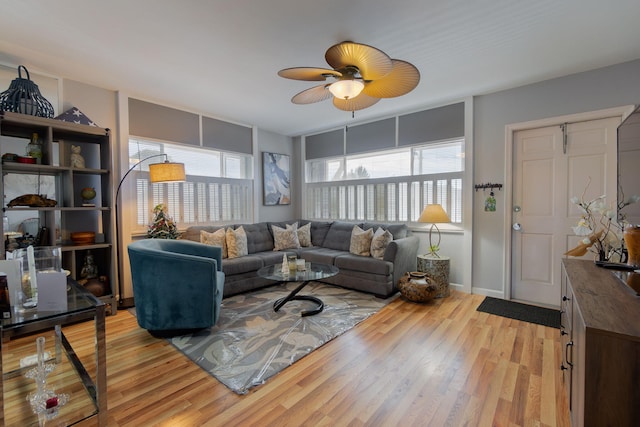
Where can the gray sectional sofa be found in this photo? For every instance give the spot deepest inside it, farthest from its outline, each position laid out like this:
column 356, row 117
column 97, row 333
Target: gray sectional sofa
column 330, row 245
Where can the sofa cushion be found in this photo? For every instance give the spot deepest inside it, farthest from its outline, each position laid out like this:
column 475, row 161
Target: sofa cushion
column 304, row 234
column 193, row 232
column 271, row 257
column 364, row 264
column 399, row 231
column 361, row 241
column 319, row 230
column 217, row 238
column 245, row 264
column 339, row 236
column 320, row 255
column 285, row 238
column 236, row 242
column 379, row 243
column 281, row 224
column 259, row 238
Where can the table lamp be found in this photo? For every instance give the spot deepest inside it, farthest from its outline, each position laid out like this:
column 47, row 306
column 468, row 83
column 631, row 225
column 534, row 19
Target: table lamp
column 434, row 214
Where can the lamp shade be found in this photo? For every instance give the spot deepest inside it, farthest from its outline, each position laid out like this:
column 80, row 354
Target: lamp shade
column 346, row 88
column 167, row 172
column 434, row 214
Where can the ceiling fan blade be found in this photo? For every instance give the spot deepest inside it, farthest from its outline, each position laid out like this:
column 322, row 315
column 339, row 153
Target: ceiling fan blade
column 358, row 103
column 315, row 94
column 402, row 79
column 308, row 73
column 372, row 63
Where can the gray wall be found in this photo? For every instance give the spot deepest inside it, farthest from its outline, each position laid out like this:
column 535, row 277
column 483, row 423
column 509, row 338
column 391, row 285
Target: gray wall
column 96, row 103
column 614, row 86
column 275, row 143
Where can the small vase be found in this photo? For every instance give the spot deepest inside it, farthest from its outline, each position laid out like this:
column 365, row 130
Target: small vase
column 632, row 242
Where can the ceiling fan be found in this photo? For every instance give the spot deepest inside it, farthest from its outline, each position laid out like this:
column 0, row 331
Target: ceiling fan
column 362, row 75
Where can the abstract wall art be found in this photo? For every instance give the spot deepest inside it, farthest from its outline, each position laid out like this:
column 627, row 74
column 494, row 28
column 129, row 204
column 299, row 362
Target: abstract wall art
column 277, row 181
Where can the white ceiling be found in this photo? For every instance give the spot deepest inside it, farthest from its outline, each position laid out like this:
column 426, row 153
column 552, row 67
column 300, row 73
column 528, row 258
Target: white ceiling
column 220, row 57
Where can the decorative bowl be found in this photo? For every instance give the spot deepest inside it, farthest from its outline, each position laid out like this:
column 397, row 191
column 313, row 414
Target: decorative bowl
column 26, row 159
column 417, row 287
column 83, row 237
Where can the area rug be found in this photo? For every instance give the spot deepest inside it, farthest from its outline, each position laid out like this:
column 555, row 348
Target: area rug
column 525, row 312
column 251, row 342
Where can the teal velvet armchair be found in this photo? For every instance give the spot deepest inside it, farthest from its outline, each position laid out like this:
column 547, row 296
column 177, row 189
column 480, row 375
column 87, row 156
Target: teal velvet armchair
column 177, row 284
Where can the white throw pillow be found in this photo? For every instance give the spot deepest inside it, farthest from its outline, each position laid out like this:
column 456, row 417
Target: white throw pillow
column 379, row 243
column 285, row 238
column 217, row 238
column 236, row 242
column 361, row 241
column 304, row 234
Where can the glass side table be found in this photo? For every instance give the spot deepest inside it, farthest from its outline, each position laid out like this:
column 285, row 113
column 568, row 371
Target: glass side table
column 88, row 393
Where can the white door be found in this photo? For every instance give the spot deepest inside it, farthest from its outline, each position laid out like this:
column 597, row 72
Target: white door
column 547, row 171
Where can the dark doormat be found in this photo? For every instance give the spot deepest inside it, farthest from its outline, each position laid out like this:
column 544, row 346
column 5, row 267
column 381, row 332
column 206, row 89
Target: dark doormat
column 525, row 312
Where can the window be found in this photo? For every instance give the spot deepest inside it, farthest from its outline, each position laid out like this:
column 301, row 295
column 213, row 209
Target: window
column 219, row 184
column 390, row 185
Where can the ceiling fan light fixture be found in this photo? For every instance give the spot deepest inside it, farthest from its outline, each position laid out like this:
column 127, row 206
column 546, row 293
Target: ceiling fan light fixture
column 346, row 88
column 363, row 75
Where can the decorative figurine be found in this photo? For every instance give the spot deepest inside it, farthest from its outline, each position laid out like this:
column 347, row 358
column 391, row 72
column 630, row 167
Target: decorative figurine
column 89, row 268
column 76, row 160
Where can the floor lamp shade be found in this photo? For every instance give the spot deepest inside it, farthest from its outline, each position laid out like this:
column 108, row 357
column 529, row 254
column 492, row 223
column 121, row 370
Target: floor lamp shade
column 167, row 172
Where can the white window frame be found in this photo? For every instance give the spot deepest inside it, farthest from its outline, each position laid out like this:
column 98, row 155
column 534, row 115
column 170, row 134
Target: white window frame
column 388, row 199
column 201, row 200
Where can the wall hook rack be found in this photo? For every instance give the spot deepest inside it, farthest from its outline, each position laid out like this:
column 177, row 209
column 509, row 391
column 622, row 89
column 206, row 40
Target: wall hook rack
column 488, row 185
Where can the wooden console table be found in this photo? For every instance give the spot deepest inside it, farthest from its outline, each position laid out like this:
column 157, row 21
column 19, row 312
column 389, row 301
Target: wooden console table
column 600, row 333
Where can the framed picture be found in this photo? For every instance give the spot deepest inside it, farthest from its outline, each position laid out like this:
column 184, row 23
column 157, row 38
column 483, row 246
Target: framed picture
column 276, row 177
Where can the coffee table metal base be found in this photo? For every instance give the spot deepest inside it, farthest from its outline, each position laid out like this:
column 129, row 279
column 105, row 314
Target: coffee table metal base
column 294, row 296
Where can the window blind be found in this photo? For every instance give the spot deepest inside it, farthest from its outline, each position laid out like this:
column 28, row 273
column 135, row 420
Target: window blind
column 160, row 122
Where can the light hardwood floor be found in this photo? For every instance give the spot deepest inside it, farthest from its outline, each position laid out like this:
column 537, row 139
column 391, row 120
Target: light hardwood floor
column 440, row 364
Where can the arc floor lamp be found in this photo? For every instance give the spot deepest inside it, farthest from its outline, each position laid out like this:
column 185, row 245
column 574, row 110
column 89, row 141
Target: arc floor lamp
column 158, row 172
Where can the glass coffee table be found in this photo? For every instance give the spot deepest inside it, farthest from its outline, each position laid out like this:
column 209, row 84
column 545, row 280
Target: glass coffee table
column 315, row 272
column 87, row 391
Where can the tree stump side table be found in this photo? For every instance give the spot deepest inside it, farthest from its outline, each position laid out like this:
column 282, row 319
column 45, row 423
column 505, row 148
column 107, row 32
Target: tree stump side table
column 438, row 269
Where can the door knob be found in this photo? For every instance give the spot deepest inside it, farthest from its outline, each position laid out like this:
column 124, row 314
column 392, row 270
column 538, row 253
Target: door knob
column 517, row 226
column 517, row 208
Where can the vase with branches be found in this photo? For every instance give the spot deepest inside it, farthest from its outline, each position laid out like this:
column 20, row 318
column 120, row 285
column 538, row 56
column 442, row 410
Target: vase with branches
column 601, row 226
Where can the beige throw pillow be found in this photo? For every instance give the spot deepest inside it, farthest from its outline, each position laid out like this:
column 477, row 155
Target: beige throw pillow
column 217, row 238
column 379, row 243
column 304, row 234
column 236, row 242
column 361, row 241
column 285, row 238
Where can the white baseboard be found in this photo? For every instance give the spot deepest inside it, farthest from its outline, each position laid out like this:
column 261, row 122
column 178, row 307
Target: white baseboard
column 478, row 291
column 488, row 292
